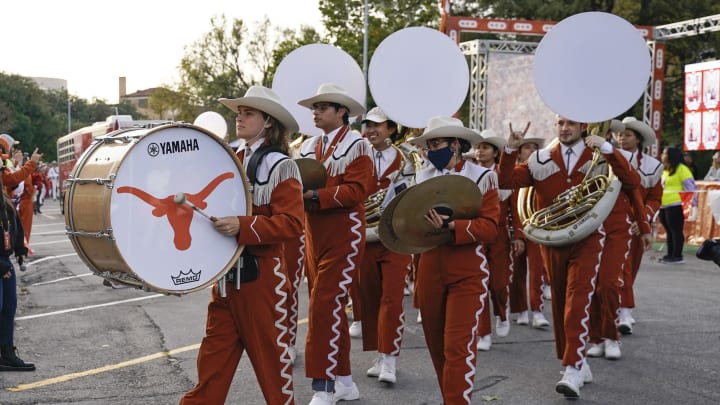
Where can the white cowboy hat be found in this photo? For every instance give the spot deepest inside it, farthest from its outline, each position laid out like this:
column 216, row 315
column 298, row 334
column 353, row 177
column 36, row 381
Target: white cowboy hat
column 646, row 133
column 375, row 115
column 263, row 99
column 332, row 93
column 10, row 140
column 447, row 127
column 490, row 137
column 616, row 126
column 540, row 142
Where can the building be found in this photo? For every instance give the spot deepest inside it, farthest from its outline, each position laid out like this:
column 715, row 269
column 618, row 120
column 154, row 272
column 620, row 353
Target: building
column 50, row 83
column 141, row 101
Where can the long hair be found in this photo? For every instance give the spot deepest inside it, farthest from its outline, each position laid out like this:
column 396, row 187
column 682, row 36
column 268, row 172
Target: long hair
column 277, row 135
column 674, row 158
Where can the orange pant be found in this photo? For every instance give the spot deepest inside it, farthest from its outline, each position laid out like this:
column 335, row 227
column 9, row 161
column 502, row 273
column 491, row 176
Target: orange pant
column 381, row 283
column 451, row 293
column 295, row 259
column 630, row 270
column 251, row 319
column 500, row 265
column 573, row 270
column 606, row 300
column 331, row 265
column 524, row 281
column 25, row 211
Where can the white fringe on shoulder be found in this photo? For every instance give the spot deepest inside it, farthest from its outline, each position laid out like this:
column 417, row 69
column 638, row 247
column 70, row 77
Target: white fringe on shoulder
column 337, row 165
column 504, row 194
column 542, row 166
column 284, row 170
column 488, row 182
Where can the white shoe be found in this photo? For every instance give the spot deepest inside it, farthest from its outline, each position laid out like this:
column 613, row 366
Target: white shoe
column 539, row 320
column 356, row 329
column 419, row 317
column 292, row 353
column 612, row 349
column 523, row 318
column 323, row 398
column 571, row 383
column 387, row 373
column 596, row 349
column 546, row 292
column 374, row 371
column 343, row 393
column 484, row 343
column 624, row 322
column 585, row 372
column 502, row 328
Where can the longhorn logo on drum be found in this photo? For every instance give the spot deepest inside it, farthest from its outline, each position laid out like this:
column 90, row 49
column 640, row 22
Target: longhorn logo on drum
column 179, row 216
column 184, row 278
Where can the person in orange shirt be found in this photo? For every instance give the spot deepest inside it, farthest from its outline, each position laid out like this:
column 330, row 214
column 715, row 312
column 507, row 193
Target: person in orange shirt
column 335, row 240
column 452, row 278
column 254, row 318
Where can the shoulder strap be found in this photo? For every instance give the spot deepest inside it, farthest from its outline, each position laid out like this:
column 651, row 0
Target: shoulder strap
column 256, row 159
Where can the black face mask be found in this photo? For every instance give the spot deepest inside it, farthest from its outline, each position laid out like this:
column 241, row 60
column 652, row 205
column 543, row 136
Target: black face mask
column 440, row 157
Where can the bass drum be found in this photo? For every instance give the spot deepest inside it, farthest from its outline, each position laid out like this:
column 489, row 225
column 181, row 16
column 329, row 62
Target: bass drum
column 122, row 218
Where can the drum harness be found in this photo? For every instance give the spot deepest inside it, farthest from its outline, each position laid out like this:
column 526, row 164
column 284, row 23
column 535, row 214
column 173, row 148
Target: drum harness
column 246, row 268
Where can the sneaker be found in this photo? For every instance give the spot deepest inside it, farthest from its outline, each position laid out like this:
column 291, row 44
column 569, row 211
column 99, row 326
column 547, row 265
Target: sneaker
column 546, row 292
column 612, row 349
column 323, row 398
column 356, row 329
column 596, row 349
column 419, row 317
column 539, row 320
column 624, row 323
column 523, row 318
column 571, row 383
column 484, row 343
column 387, row 373
column 502, row 328
column 343, row 393
column 374, row 371
column 672, row 260
column 9, row 361
column 585, row 372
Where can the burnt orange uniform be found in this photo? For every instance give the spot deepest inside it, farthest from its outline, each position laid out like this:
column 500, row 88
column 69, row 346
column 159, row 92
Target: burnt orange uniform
column 255, row 317
column 452, row 284
column 334, row 242
column 573, row 268
column 382, row 271
column 12, row 179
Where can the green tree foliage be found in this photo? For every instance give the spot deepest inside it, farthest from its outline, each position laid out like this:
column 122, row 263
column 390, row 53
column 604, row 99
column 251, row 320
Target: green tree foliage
column 289, row 41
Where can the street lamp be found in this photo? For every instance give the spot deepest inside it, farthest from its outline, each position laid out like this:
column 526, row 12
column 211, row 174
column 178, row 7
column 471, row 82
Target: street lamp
column 69, row 115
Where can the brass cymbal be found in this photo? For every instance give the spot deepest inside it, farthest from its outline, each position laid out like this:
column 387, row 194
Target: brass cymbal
column 403, row 228
column 312, row 172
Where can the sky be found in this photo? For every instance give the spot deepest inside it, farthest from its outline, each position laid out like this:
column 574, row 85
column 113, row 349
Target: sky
column 92, row 43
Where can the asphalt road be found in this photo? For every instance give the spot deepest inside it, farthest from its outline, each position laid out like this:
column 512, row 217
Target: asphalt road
column 95, row 345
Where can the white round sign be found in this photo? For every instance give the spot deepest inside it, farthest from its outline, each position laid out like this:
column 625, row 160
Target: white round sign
column 213, row 122
column 418, row 73
column 303, row 70
column 591, row 67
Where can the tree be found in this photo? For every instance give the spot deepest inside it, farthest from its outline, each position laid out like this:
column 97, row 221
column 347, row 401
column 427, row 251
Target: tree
column 289, row 41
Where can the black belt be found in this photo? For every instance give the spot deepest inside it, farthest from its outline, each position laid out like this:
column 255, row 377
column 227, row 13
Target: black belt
column 249, row 270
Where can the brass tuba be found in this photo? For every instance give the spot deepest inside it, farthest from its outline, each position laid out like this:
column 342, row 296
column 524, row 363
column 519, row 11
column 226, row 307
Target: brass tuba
column 576, row 212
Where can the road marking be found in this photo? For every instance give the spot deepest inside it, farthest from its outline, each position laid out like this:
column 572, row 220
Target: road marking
column 62, row 279
column 32, row 245
column 110, row 367
column 44, row 259
column 48, row 233
column 35, row 226
column 107, row 304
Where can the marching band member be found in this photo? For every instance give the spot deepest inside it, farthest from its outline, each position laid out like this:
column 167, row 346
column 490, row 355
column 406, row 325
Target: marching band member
column 335, row 240
column 529, row 273
column 500, row 251
column 452, row 278
column 636, row 136
column 626, row 217
column 573, row 268
column 382, row 271
column 254, row 318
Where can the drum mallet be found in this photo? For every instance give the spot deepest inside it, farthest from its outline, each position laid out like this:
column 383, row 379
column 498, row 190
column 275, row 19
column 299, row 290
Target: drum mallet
column 181, row 199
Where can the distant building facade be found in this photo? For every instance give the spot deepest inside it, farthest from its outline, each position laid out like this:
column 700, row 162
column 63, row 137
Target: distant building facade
column 50, row 83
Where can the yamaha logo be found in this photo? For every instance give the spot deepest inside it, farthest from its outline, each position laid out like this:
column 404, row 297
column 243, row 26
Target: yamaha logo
column 185, row 278
column 172, row 147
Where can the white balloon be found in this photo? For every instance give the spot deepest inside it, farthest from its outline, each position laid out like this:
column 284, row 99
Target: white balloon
column 591, row 67
column 303, row 70
column 418, row 73
column 213, row 122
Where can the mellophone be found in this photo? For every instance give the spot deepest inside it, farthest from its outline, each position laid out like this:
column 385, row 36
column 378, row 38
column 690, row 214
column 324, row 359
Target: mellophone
column 126, row 222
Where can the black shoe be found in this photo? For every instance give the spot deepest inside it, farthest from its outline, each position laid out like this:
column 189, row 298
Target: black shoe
column 11, row 362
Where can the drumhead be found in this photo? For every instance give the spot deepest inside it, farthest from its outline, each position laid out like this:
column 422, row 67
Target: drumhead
column 170, row 246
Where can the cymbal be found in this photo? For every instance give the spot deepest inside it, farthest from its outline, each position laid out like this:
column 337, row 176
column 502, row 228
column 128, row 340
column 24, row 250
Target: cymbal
column 403, row 228
column 312, row 172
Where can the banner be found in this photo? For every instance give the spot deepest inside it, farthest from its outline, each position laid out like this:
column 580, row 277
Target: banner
column 702, row 114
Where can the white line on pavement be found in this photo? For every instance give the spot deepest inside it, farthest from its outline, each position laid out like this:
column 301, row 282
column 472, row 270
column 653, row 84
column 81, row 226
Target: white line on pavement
column 61, row 279
column 107, row 304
